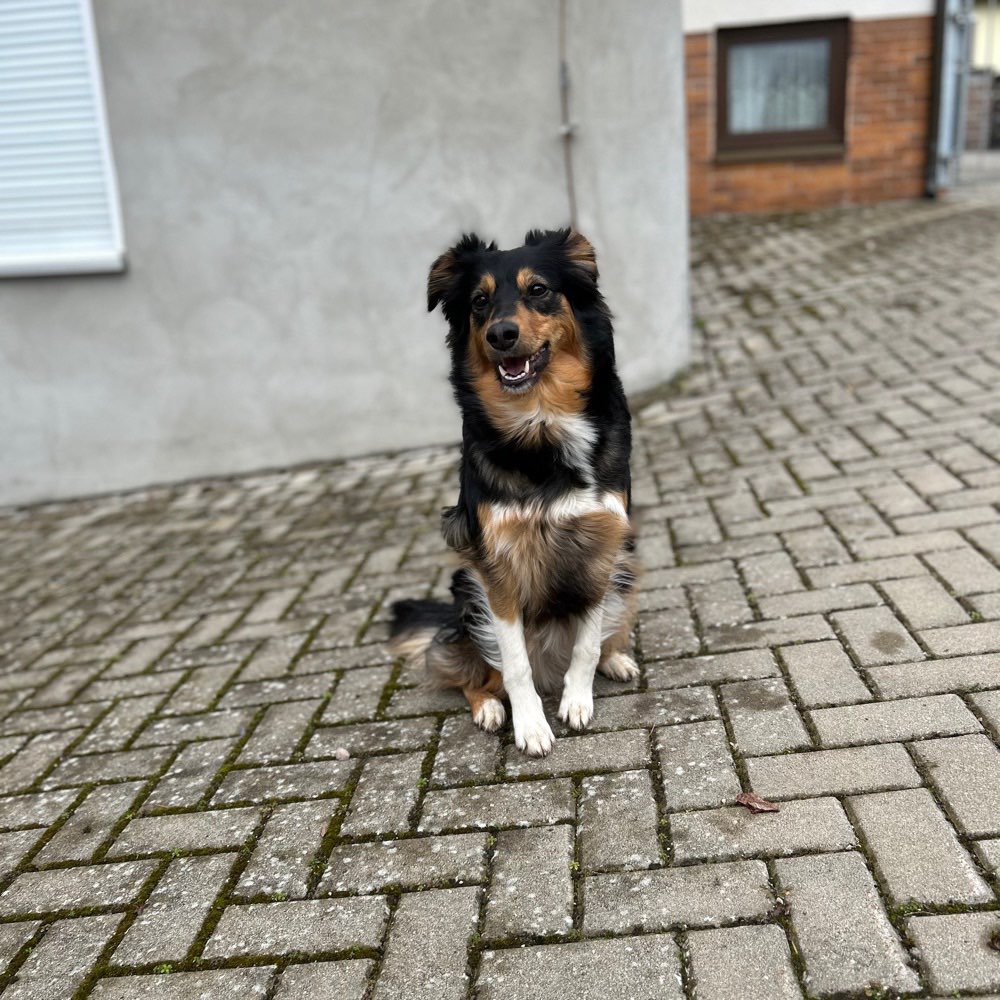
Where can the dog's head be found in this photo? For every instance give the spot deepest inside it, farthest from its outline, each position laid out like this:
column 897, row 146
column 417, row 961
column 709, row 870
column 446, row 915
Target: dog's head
column 515, row 315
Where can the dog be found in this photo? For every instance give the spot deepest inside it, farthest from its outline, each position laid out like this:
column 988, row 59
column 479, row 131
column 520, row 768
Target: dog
column 546, row 592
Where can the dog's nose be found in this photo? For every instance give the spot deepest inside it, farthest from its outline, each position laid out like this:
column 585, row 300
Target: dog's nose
column 502, row 335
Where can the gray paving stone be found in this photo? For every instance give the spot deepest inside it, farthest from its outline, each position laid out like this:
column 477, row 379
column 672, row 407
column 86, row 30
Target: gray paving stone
column 464, row 753
column 357, row 694
column 735, row 832
column 771, row 573
column 66, row 889
column 773, row 632
column 702, row 896
column 283, row 854
column 519, row 803
column 988, row 852
column 531, row 891
column 385, row 795
column 822, row 674
column 112, row 766
column 924, row 603
column 983, row 637
column 36, row 809
column 647, row 709
column 304, row 925
column 696, row 765
column 15, row 845
column 190, row 775
column 90, row 825
column 914, row 849
column 60, row 961
column 218, row 828
column 833, row 772
column 955, row 950
column 185, row 728
column 893, row 721
column 37, row 756
column 279, row 732
column 426, row 954
column 171, row 917
column 121, row 723
column 341, row 980
column 399, row 734
column 869, row 569
column 987, row 705
column 876, row 636
column 283, row 782
column 821, row 601
column 625, row 968
column 842, row 930
column 965, row 773
column 742, row 963
column 13, row 937
column 713, row 669
column 965, row 571
column 618, row 751
column 407, row 864
column 617, row 825
column 961, row 673
column 221, row 984
column 763, row 718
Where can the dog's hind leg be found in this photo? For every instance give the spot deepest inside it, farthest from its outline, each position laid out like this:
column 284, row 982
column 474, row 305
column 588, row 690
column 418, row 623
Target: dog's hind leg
column 485, row 701
column 616, row 660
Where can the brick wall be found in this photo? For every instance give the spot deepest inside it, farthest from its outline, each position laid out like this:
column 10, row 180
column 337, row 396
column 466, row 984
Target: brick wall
column 886, row 125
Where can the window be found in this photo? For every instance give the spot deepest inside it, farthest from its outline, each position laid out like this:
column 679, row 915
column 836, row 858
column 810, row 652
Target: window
column 781, row 90
column 59, row 211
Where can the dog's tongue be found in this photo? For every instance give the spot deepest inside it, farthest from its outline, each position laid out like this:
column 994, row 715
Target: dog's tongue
column 514, row 366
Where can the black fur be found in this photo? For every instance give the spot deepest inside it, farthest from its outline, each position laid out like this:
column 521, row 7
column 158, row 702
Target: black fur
column 496, row 469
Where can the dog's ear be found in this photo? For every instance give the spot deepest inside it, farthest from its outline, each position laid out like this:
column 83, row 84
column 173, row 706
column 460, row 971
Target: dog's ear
column 581, row 253
column 575, row 248
column 449, row 269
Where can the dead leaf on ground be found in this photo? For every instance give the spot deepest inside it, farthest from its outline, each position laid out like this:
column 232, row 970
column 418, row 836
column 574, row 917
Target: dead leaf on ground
column 755, row 803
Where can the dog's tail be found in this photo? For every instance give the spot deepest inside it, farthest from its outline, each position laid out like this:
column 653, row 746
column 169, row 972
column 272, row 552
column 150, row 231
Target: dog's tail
column 414, row 625
column 432, row 634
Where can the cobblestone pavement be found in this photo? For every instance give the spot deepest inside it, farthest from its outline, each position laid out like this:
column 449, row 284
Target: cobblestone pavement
column 820, row 624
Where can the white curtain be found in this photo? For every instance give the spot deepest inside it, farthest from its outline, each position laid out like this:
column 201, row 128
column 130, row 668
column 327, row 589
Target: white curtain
column 778, row 86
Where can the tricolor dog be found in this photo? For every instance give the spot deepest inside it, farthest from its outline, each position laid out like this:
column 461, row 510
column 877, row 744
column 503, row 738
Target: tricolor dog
column 545, row 596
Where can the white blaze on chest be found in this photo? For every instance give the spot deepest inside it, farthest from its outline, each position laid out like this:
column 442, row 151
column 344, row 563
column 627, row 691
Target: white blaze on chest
column 573, row 434
column 572, row 504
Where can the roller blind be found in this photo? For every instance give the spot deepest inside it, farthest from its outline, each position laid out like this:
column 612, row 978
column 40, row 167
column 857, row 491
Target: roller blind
column 59, row 209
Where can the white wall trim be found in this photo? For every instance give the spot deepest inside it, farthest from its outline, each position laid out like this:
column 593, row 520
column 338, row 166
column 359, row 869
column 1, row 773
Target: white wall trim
column 707, row 15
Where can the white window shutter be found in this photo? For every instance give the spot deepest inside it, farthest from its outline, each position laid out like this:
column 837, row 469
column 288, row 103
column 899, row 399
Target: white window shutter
column 59, row 208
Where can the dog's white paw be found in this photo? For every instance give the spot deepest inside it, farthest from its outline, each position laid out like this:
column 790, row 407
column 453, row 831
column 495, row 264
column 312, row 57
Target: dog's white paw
column 576, row 708
column 532, row 733
column 490, row 715
column 619, row 667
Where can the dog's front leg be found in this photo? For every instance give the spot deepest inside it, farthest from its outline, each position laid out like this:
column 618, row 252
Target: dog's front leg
column 531, row 732
column 577, row 706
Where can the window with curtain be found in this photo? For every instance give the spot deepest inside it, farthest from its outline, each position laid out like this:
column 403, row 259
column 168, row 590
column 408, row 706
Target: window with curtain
column 781, row 88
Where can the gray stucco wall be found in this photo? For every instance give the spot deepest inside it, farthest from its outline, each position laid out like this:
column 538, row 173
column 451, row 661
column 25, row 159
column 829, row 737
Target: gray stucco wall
column 288, row 172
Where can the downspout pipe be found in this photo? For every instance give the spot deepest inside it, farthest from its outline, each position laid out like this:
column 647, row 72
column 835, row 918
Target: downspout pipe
column 931, row 186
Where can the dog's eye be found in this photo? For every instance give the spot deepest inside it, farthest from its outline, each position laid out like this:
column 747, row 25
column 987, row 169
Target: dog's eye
column 537, row 290
column 479, row 301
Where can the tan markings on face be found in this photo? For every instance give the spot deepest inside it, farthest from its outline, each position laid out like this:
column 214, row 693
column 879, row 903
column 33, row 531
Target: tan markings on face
column 558, row 392
column 526, row 278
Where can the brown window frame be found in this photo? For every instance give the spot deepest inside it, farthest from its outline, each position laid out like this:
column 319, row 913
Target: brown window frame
column 785, row 144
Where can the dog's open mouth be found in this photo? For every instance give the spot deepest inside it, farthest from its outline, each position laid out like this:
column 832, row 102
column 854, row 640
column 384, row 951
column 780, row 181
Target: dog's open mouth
column 521, row 373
